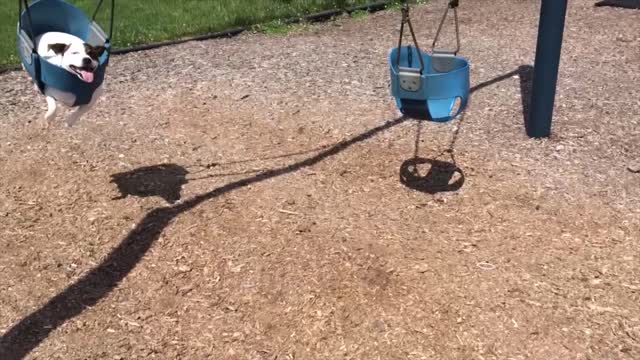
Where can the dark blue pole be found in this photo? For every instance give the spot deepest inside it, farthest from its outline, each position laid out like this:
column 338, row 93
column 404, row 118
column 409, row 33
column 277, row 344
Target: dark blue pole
column 545, row 75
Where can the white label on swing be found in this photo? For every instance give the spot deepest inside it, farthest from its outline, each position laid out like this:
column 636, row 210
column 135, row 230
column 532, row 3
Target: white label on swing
column 443, row 61
column 97, row 36
column 410, row 79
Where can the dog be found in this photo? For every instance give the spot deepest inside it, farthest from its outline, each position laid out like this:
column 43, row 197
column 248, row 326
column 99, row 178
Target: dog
column 75, row 56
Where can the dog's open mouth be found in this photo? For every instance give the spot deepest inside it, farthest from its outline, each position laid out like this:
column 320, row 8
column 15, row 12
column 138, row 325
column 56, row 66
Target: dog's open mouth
column 86, row 74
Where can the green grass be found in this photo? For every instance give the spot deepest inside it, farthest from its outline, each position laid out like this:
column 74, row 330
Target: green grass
column 278, row 27
column 359, row 14
column 144, row 21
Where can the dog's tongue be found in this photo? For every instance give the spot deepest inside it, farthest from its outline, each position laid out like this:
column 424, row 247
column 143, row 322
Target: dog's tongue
column 87, row 76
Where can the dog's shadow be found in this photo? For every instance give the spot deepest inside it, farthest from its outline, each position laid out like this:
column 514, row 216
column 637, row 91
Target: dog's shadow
column 439, row 176
column 165, row 181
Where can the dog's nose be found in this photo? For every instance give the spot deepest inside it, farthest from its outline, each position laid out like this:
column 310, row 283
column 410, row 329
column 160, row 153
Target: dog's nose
column 86, row 62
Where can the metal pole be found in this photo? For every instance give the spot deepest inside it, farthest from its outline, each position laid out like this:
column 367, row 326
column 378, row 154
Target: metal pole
column 545, row 76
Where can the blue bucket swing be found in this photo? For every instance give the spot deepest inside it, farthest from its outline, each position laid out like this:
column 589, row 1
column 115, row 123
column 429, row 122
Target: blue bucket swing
column 427, row 86
column 42, row 16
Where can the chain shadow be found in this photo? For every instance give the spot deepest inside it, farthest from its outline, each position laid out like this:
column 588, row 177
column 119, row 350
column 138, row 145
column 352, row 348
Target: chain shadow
column 166, row 180
column 441, row 175
column 163, row 180
column 447, row 176
column 265, row 158
column 30, row 331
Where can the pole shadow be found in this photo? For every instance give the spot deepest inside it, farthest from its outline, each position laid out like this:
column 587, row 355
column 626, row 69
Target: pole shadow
column 525, row 73
column 625, row 4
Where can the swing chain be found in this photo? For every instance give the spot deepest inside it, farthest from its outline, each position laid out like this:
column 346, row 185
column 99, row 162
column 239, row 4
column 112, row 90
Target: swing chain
column 111, row 10
column 30, row 30
column 406, row 19
column 453, row 4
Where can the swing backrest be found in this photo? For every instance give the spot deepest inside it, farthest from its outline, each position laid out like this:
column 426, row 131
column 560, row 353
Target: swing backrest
column 56, row 15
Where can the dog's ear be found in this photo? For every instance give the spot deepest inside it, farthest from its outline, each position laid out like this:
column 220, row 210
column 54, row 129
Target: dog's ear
column 59, row 49
column 94, row 51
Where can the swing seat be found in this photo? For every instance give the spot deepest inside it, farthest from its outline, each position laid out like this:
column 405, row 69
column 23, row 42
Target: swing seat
column 60, row 16
column 432, row 93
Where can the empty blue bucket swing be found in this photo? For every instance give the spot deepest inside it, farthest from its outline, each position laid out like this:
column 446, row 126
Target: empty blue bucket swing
column 428, row 86
column 42, row 16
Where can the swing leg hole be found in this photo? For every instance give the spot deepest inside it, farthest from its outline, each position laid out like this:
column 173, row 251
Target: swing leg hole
column 431, row 176
column 457, row 103
column 443, row 173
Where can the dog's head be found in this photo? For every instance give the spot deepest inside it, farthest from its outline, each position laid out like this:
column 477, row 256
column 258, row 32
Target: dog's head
column 80, row 59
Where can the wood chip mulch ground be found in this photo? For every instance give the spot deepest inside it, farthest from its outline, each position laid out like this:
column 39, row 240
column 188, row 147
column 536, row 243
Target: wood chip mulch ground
column 259, row 198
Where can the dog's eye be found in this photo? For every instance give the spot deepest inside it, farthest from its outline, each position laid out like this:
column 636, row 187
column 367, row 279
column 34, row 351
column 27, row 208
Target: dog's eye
column 75, row 53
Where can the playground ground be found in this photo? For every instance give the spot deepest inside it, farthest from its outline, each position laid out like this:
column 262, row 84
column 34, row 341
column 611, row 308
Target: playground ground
column 294, row 237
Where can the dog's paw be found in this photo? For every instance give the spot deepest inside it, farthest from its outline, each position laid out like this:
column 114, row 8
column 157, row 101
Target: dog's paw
column 71, row 121
column 44, row 124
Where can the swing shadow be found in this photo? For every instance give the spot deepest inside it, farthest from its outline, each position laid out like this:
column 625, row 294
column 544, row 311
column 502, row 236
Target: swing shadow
column 447, row 176
column 439, row 178
column 29, row 332
column 164, row 180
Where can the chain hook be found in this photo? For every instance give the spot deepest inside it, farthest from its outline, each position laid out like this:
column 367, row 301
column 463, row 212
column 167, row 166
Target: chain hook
column 453, row 5
column 406, row 19
column 405, row 12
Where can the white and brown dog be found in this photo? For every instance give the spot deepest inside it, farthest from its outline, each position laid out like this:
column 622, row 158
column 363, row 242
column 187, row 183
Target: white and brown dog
column 75, row 56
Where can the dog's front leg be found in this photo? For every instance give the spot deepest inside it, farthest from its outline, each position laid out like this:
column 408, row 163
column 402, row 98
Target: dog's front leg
column 77, row 113
column 52, row 109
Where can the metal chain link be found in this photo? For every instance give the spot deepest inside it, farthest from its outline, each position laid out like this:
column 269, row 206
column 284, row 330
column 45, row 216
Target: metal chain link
column 30, row 30
column 406, row 19
column 95, row 13
column 453, row 4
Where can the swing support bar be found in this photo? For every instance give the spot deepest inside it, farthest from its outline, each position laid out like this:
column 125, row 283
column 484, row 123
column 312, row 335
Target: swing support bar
column 547, row 63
